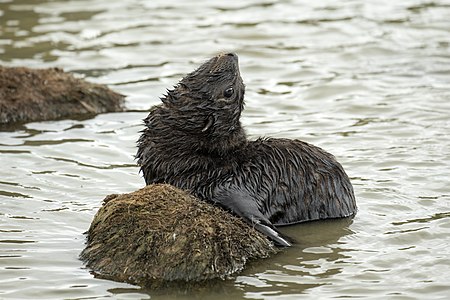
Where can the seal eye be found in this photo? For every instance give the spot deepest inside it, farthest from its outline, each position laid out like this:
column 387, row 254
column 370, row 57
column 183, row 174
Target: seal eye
column 228, row 92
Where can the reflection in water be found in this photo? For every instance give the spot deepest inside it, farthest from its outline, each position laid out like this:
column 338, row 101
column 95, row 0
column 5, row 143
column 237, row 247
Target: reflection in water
column 21, row 22
column 425, row 220
column 317, row 256
column 366, row 80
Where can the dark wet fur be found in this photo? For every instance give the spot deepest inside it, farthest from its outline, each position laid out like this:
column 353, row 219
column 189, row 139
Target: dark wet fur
column 195, row 141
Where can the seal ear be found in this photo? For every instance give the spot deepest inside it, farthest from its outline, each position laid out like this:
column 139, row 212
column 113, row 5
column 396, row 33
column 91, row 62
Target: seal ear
column 209, row 123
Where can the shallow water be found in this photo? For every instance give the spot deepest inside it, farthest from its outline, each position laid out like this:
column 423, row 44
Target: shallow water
column 369, row 82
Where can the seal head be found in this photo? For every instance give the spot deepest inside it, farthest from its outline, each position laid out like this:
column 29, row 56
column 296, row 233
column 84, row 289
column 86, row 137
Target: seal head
column 207, row 104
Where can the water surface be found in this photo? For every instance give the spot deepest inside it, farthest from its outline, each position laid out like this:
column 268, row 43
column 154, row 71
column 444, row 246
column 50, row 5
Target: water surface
column 367, row 81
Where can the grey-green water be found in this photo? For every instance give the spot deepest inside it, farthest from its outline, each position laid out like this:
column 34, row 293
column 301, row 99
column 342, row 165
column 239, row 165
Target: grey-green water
column 369, row 81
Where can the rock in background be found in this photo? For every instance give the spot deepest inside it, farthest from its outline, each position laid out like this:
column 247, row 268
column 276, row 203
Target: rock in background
column 47, row 94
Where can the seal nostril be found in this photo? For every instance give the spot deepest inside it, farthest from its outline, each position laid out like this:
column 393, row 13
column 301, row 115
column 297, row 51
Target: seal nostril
column 227, row 55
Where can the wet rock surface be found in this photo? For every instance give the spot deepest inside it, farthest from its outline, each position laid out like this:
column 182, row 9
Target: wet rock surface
column 46, row 94
column 160, row 235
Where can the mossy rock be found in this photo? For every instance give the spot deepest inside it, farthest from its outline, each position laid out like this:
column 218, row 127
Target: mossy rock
column 160, row 234
column 47, row 94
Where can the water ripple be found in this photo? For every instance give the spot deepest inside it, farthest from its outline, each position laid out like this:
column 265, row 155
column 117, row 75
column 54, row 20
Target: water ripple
column 367, row 81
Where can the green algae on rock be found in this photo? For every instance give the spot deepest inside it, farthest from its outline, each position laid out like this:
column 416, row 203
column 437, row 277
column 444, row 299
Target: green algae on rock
column 160, row 235
column 28, row 95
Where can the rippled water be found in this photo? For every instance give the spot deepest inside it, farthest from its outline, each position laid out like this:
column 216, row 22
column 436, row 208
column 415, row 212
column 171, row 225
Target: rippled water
column 367, row 81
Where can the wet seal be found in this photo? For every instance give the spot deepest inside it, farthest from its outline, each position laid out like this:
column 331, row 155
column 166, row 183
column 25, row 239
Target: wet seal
column 194, row 140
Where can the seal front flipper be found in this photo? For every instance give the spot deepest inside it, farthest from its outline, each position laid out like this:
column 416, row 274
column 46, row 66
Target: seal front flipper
column 271, row 232
column 242, row 204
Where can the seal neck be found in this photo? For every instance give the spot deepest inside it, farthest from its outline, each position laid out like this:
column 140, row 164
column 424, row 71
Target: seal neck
column 210, row 140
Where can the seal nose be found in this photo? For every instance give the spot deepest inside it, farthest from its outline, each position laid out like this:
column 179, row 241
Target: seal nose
column 229, row 54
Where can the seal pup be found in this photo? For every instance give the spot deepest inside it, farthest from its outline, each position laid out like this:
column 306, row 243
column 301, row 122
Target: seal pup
column 194, row 140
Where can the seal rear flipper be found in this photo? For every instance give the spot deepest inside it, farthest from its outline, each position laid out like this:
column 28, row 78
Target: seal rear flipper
column 242, row 204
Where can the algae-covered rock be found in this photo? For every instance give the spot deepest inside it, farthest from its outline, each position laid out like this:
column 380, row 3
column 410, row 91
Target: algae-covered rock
column 46, row 94
column 160, row 234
